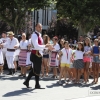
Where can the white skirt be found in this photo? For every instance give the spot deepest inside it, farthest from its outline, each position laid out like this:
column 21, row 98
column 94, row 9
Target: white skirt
column 28, row 62
column 1, row 58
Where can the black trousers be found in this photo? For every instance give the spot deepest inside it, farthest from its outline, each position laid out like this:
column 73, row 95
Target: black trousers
column 35, row 71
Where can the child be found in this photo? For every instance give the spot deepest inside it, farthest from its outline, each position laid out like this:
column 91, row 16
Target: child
column 96, row 61
column 78, row 61
column 72, row 69
column 65, row 57
column 1, row 59
column 87, row 58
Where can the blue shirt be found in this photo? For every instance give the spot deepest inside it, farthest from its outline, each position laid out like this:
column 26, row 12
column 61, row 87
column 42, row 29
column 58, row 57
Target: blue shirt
column 96, row 49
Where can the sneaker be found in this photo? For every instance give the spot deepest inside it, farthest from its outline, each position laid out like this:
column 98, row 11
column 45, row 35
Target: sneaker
column 55, row 77
column 24, row 75
column 60, row 83
column 1, row 73
column 20, row 75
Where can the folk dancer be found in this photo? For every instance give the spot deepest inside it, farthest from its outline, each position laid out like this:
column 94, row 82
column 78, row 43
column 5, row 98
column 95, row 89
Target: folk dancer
column 1, row 58
column 11, row 44
column 4, row 50
column 23, row 55
column 36, row 56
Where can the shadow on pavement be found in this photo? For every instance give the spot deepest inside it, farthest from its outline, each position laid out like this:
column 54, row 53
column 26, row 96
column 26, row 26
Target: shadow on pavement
column 12, row 78
column 95, row 87
column 72, row 85
column 53, row 85
column 18, row 92
column 86, row 85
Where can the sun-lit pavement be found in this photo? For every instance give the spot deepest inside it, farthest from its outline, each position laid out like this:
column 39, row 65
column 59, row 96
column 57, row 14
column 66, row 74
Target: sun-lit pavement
column 12, row 88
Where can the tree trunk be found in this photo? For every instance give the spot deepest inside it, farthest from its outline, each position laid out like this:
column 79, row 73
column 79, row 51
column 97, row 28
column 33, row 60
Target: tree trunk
column 81, row 30
column 15, row 30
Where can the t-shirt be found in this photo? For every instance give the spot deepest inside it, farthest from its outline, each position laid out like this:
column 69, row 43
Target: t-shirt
column 96, row 49
column 78, row 55
column 87, row 48
column 56, row 47
column 66, row 57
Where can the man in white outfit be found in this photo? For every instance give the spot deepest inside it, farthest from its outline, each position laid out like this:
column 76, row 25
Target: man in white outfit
column 4, row 50
column 11, row 44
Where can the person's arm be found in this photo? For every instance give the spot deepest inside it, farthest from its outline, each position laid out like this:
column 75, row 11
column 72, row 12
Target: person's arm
column 17, row 43
column 4, row 45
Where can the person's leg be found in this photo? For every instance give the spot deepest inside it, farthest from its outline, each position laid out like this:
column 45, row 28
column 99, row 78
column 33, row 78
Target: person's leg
column 9, row 65
column 55, row 71
column 15, row 63
column 42, row 67
column 12, row 64
column 97, row 73
column 73, row 73
column 46, row 65
column 79, row 74
column 21, row 71
column 68, row 73
column 24, row 71
column 61, row 73
column 26, row 82
column 76, row 75
column 93, row 69
column 85, row 71
column 1, row 69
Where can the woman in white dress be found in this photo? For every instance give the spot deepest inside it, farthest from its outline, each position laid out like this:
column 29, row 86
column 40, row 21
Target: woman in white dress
column 56, row 48
column 23, row 55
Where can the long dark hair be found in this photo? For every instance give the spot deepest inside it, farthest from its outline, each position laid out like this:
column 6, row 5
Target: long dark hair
column 82, row 49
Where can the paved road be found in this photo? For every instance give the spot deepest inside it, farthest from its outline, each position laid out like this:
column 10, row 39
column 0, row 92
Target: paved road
column 12, row 88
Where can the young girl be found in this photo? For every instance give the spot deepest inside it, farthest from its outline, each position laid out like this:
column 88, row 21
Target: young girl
column 56, row 48
column 45, row 56
column 96, row 61
column 78, row 61
column 87, row 58
column 65, row 57
column 72, row 69
column 1, row 58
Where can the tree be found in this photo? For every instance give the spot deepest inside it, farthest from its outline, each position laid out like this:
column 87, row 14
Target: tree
column 14, row 12
column 84, row 14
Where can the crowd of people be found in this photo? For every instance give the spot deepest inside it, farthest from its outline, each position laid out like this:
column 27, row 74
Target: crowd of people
column 73, row 59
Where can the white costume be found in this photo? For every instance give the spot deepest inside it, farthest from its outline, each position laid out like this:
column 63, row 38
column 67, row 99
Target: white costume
column 1, row 55
column 4, row 50
column 10, row 54
column 24, row 54
column 56, row 48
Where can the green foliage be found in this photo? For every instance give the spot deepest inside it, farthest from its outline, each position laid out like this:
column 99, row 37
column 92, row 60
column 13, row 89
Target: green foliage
column 84, row 13
column 13, row 12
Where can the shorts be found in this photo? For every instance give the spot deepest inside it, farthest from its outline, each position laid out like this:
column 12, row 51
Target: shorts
column 46, row 56
column 71, row 66
column 87, row 59
column 64, row 65
column 96, row 59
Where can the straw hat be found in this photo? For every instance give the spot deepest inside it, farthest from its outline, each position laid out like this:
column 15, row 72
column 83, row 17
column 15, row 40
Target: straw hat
column 10, row 33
